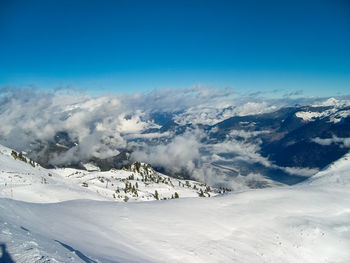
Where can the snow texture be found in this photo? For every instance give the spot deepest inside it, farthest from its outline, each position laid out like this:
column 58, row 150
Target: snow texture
column 309, row 222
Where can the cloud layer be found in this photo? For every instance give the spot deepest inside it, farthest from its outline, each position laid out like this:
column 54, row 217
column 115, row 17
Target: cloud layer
column 343, row 142
column 102, row 126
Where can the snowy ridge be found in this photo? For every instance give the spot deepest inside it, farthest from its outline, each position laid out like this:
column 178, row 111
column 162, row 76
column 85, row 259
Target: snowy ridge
column 335, row 115
column 139, row 182
column 310, row 115
column 338, row 110
column 336, row 173
column 21, row 181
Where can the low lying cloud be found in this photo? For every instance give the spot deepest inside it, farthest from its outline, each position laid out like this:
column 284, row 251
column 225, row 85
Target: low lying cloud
column 28, row 115
column 214, row 163
column 103, row 126
column 343, row 142
column 180, row 154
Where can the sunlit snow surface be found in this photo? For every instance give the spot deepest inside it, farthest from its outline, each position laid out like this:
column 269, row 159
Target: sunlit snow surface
column 21, row 181
column 309, row 222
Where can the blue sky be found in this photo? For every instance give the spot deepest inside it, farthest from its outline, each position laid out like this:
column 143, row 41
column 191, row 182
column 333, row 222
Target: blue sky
column 137, row 46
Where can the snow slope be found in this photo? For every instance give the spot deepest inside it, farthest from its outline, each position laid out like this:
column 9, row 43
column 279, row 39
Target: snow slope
column 21, row 181
column 309, row 222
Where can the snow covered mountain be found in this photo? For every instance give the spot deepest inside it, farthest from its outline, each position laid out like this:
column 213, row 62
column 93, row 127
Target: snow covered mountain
column 307, row 222
column 22, row 179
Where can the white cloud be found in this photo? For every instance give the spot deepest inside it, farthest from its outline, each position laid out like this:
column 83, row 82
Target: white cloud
column 178, row 155
column 344, row 142
column 333, row 102
column 251, row 108
column 101, row 126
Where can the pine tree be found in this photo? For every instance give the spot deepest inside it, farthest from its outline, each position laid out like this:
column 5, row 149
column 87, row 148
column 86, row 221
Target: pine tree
column 14, row 154
column 156, row 195
column 176, row 195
